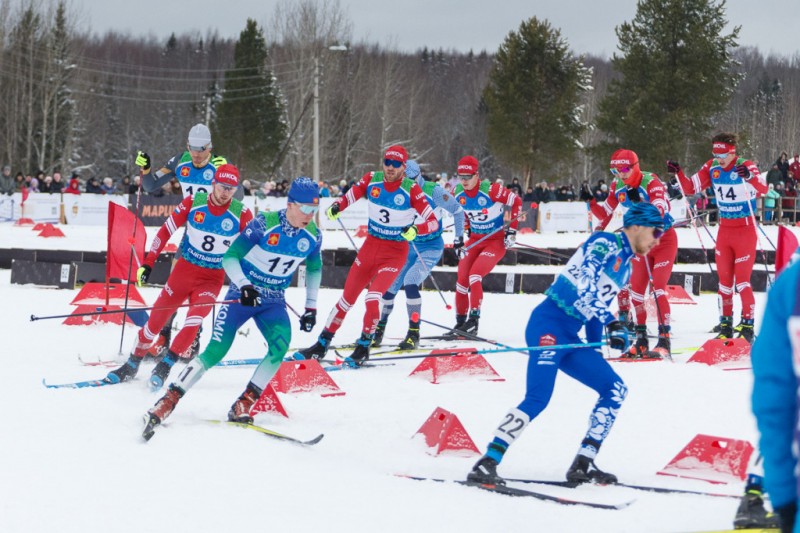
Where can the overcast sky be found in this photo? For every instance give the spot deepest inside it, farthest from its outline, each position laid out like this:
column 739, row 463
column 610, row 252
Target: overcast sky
column 408, row 25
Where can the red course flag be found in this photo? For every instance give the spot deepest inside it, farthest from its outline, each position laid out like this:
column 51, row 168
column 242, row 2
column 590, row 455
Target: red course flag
column 787, row 244
column 122, row 226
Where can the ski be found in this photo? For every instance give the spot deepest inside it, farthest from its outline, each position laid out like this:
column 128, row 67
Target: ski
column 646, row 488
column 268, row 432
column 748, row 530
column 633, row 359
column 511, row 491
column 78, row 384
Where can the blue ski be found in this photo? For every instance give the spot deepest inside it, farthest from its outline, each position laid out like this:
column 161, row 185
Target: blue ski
column 78, row 384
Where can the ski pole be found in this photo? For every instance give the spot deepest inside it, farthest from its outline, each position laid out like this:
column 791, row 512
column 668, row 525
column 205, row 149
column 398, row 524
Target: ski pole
column 348, row 235
column 103, row 311
column 542, row 250
column 503, row 227
column 758, row 239
column 429, row 274
column 692, row 219
column 470, row 335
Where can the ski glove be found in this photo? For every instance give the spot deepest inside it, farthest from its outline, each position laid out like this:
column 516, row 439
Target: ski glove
column 458, row 248
column 218, row 161
column 143, row 274
column 333, row 211
column 673, row 167
column 143, row 160
column 743, row 172
column 249, row 297
column 409, row 233
column 511, row 238
column 618, row 336
column 308, row 320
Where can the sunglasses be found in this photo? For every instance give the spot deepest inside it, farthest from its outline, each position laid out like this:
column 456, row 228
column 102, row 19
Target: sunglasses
column 720, row 156
column 392, row 163
column 620, row 170
column 465, row 176
column 226, row 188
column 198, row 148
column 657, row 233
column 307, row 209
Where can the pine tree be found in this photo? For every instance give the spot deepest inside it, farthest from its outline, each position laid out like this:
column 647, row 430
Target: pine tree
column 250, row 126
column 676, row 76
column 533, row 99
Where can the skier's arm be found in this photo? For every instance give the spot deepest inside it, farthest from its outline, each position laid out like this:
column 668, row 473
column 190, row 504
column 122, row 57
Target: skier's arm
column 605, row 210
column 356, row 192
column 597, row 253
column 658, row 195
column 425, row 211
column 248, row 238
column 175, row 220
column 699, row 181
column 498, row 193
column 449, row 204
column 154, row 180
column 755, row 179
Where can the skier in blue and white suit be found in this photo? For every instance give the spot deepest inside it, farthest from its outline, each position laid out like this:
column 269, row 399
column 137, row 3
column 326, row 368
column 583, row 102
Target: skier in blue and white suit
column 430, row 248
column 776, row 395
column 582, row 293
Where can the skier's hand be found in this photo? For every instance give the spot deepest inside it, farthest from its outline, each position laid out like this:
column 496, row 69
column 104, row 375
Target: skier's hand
column 143, row 274
column 673, row 167
column 308, row 320
column 249, row 296
column 409, row 233
column 143, row 160
column 618, row 336
column 743, row 172
column 511, row 238
column 218, row 161
column 333, row 211
column 458, row 248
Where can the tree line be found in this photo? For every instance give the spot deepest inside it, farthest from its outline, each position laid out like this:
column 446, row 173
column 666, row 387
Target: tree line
column 72, row 101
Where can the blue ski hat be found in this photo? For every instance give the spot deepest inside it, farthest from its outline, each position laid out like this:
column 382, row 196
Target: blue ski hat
column 643, row 214
column 412, row 169
column 303, row 191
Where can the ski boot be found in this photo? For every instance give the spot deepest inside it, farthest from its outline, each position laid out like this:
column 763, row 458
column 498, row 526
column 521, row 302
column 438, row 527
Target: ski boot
column 485, row 472
column 583, row 470
column 662, row 348
column 126, row 372
column 320, row 348
column 725, row 328
column 360, row 355
column 412, row 337
column 380, row 329
column 640, row 347
column 160, row 411
column 471, row 325
column 751, row 513
column 161, row 371
column 747, row 330
column 458, row 328
column 240, row 410
column 736, row 329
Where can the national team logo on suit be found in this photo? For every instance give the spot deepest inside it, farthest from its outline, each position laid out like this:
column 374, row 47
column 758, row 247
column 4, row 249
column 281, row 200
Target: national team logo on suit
column 462, row 201
column 184, row 172
column 398, row 200
column 227, row 224
column 303, row 245
column 481, row 201
column 622, row 197
column 375, row 192
column 617, row 264
column 199, row 217
column 715, row 173
column 208, row 174
column 273, row 239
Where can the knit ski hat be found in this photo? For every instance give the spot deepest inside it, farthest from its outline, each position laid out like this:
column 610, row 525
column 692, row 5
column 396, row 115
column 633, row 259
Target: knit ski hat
column 396, row 153
column 227, row 174
column 467, row 166
column 303, row 191
column 199, row 137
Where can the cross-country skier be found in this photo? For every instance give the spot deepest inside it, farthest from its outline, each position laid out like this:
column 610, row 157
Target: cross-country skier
column 630, row 186
column 418, row 267
column 394, row 202
column 212, row 222
column 582, row 294
column 483, row 202
column 260, row 264
column 736, row 182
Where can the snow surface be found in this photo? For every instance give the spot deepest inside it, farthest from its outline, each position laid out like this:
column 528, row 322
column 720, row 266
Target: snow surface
column 73, row 460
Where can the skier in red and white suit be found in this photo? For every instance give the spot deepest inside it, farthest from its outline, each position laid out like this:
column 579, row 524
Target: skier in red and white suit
column 630, row 186
column 736, row 182
column 213, row 221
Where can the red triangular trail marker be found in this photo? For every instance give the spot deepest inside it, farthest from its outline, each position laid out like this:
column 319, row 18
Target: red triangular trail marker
column 304, row 376
column 87, row 320
column 94, row 293
column 712, row 459
column 466, row 362
column 444, row 432
column 719, row 351
column 269, row 402
column 50, row 230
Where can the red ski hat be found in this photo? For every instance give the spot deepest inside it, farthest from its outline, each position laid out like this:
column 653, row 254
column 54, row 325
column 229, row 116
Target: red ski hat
column 624, row 159
column 227, row 174
column 722, row 149
column 396, row 153
column 467, row 165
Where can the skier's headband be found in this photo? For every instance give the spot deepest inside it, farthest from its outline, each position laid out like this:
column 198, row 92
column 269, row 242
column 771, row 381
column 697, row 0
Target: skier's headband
column 721, row 150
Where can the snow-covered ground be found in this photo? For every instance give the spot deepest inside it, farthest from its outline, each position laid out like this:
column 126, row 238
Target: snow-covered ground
column 73, row 460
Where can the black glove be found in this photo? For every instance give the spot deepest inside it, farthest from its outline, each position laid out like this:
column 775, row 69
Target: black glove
column 308, row 320
column 249, row 297
column 673, row 167
column 787, row 514
column 743, row 172
column 633, row 194
column 618, row 336
column 458, row 248
column 511, row 238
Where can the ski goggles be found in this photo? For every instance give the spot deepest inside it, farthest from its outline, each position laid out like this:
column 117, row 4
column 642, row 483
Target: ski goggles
column 307, row 209
column 463, row 177
column 198, row 148
column 657, row 233
column 226, row 188
column 392, row 163
column 620, row 170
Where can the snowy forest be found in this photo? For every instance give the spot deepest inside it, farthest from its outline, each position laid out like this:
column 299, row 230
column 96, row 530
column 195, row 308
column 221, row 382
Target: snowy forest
column 76, row 101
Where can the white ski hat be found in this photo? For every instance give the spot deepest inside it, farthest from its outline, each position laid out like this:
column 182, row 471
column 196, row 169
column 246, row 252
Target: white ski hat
column 199, row 137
